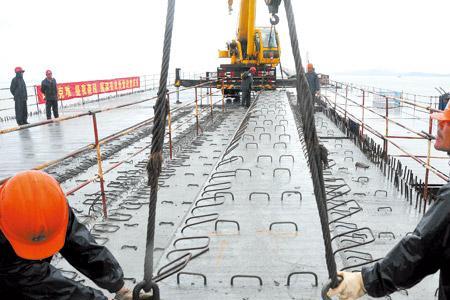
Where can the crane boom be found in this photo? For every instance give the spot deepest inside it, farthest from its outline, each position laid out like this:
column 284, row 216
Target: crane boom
column 246, row 29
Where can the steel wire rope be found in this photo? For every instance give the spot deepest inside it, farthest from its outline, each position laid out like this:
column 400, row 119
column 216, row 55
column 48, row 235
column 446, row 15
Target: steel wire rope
column 273, row 28
column 155, row 161
column 306, row 109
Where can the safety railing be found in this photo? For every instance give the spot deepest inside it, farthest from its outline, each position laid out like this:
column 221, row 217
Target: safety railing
column 351, row 115
column 203, row 104
column 148, row 82
column 412, row 97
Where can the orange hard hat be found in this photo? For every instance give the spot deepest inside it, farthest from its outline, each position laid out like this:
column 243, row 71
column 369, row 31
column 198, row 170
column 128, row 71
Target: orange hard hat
column 442, row 116
column 310, row 67
column 34, row 214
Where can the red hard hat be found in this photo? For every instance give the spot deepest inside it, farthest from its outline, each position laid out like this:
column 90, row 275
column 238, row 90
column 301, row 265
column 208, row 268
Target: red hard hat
column 19, row 70
column 34, row 214
column 253, row 70
column 48, row 72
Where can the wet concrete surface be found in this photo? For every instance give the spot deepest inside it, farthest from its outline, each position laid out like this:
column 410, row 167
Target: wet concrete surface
column 28, row 148
column 269, row 146
column 180, row 182
column 385, row 216
column 278, row 189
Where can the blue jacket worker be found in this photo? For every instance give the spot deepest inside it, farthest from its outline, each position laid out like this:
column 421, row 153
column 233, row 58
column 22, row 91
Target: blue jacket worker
column 313, row 81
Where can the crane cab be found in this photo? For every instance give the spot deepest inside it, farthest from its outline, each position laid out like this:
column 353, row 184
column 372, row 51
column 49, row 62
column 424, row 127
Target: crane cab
column 266, row 44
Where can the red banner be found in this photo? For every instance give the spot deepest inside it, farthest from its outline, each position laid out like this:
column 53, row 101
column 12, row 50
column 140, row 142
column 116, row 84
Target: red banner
column 72, row 90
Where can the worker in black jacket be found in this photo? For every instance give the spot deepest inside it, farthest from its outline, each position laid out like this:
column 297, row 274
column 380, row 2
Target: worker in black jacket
column 36, row 223
column 49, row 89
column 246, row 85
column 424, row 252
column 19, row 91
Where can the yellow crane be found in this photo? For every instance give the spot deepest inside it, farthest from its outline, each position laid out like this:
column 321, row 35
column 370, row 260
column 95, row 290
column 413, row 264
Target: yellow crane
column 257, row 47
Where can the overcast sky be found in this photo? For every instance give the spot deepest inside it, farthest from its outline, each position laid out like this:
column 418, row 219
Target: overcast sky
column 94, row 39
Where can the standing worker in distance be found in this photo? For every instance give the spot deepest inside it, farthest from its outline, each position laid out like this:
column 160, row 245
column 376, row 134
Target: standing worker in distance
column 36, row 222
column 246, row 85
column 49, row 89
column 19, row 91
column 422, row 253
column 313, row 81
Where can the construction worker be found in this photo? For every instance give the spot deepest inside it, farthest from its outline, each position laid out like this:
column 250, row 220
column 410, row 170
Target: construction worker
column 35, row 223
column 417, row 255
column 246, row 85
column 313, row 81
column 18, row 89
column 443, row 100
column 49, row 89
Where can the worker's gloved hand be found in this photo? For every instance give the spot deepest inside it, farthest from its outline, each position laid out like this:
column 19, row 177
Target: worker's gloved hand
column 351, row 287
column 127, row 294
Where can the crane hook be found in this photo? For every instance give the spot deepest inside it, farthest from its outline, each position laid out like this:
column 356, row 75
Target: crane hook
column 274, row 19
column 230, row 6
